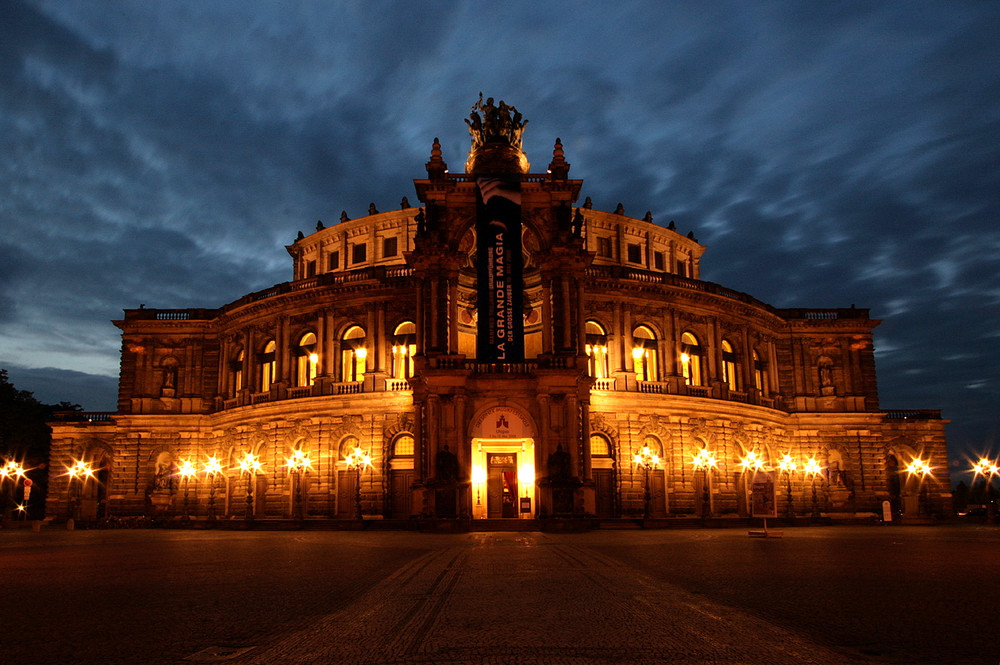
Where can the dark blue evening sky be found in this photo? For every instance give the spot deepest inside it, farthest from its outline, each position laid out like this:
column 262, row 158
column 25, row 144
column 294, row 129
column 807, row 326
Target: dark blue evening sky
column 827, row 154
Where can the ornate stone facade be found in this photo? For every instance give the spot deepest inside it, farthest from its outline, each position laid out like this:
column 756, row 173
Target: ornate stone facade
column 372, row 346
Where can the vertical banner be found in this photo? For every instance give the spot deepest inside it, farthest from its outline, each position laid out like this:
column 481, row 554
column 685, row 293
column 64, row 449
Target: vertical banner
column 498, row 257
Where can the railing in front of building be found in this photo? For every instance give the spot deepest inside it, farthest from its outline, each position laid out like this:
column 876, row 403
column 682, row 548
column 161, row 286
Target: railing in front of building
column 395, row 385
column 84, row 416
column 913, row 414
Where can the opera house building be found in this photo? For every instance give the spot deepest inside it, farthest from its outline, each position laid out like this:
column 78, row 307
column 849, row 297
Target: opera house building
column 498, row 350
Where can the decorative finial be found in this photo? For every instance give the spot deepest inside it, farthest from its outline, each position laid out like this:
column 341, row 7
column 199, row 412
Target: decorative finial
column 300, row 236
column 588, row 204
column 672, row 226
column 319, row 225
column 344, row 217
column 436, row 168
column 404, row 204
column 371, row 209
column 648, row 217
column 691, row 236
column 496, row 139
column 620, row 210
column 559, row 169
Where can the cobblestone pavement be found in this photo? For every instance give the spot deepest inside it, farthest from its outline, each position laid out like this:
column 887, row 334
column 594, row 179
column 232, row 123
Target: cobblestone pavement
column 525, row 599
column 819, row 595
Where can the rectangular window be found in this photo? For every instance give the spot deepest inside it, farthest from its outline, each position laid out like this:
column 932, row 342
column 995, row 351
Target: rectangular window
column 658, row 260
column 359, row 253
column 333, row 261
column 604, row 247
column 682, row 268
column 634, row 253
column 310, row 269
column 388, row 247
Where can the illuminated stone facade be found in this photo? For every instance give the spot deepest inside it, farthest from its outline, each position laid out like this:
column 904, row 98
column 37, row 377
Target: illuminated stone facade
column 372, row 346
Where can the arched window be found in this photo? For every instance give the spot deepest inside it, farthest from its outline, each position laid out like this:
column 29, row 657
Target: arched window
column 353, row 354
column 236, row 373
column 306, row 360
column 404, row 345
column 759, row 373
column 597, row 350
column 599, row 446
column 403, row 446
column 348, row 445
column 691, row 360
column 729, row 365
column 644, row 354
column 267, row 366
column 654, row 445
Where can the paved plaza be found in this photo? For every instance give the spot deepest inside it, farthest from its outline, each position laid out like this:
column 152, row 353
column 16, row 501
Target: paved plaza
column 817, row 595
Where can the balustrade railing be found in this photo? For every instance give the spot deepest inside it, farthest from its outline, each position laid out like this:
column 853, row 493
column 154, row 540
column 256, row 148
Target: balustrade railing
column 394, row 385
column 698, row 391
column 348, row 388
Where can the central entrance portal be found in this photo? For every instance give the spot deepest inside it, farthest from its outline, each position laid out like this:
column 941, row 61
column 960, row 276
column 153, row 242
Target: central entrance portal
column 503, row 478
column 502, row 456
column 501, row 485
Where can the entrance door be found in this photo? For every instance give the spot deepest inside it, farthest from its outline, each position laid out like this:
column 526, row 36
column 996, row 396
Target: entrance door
column 346, row 494
column 501, row 485
column 401, row 495
column 604, row 487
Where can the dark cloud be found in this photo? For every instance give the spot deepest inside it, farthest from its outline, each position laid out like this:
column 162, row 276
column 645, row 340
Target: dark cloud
column 826, row 155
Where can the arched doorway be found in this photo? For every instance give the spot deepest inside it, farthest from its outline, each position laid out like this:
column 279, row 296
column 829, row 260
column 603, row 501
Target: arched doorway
column 502, row 458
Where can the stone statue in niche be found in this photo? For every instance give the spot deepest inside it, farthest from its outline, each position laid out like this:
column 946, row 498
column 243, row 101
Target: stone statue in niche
column 559, row 464
column 163, row 472
column 169, row 387
column 826, row 385
column 447, row 466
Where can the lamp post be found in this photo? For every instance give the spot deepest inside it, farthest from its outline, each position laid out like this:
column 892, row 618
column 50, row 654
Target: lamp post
column 212, row 469
column 10, row 471
column 251, row 466
column 186, row 471
column 646, row 460
column 478, row 478
column 297, row 464
column 79, row 471
column 812, row 471
column 705, row 461
column 987, row 469
column 358, row 460
column 918, row 467
column 788, row 466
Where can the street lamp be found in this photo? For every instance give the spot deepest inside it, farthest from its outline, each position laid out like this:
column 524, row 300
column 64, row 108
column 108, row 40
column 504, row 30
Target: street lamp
column 646, row 460
column 358, row 460
column 813, row 469
column 79, row 471
column 186, row 471
column 298, row 463
column 478, row 478
column 788, row 466
column 212, row 470
column 14, row 472
column 250, row 465
column 987, row 469
column 920, row 468
column 705, row 461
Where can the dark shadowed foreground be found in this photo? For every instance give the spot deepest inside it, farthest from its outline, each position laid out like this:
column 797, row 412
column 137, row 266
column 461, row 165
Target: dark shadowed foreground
column 818, row 595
